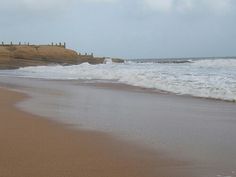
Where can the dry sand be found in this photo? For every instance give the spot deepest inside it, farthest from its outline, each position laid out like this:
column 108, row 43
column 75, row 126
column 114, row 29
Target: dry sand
column 35, row 147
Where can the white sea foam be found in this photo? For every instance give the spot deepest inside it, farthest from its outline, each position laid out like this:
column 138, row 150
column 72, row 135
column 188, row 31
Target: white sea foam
column 217, row 63
column 202, row 78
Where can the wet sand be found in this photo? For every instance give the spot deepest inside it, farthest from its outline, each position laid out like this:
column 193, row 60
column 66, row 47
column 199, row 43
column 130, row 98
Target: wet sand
column 200, row 133
column 34, row 146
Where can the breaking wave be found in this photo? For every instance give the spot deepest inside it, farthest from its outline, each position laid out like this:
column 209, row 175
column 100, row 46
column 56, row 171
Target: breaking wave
column 201, row 78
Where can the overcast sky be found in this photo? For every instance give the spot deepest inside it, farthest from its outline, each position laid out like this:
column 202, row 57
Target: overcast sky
column 125, row 28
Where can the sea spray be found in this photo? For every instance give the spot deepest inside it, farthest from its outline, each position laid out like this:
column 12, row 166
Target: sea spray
column 201, row 78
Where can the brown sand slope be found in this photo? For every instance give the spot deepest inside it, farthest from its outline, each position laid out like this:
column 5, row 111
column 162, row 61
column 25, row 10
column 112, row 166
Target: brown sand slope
column 19, row 56
column 15, row 56
column 32, row 146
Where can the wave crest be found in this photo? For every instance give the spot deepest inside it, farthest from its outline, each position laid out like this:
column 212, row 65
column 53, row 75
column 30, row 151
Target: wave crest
column 202, row 78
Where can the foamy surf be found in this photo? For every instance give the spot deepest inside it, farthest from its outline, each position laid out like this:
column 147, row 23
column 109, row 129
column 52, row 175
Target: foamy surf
column 201, row 78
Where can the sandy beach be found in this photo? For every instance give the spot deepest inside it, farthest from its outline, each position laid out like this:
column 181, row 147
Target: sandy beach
column 34, row 146
column 118, row 88
column 71, row 128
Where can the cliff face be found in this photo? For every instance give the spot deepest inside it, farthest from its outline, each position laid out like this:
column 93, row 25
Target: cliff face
column 20, row 56
column 15, row 56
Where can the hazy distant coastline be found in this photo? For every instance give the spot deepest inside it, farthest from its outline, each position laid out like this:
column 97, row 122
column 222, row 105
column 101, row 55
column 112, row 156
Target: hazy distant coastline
column 177, row 59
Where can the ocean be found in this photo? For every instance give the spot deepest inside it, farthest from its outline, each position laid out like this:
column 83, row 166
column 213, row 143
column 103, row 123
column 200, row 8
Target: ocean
column 200, row 77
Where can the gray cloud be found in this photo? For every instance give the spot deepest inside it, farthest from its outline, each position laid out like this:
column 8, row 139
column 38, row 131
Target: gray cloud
column 43, row 4
column 125, row 28
column 188, row 5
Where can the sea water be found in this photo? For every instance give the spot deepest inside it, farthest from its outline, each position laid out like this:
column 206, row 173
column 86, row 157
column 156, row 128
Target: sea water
column 208, row 78
column 198, row 130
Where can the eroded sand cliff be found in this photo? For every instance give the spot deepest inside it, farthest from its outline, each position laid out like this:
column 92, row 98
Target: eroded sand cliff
column 15, row 56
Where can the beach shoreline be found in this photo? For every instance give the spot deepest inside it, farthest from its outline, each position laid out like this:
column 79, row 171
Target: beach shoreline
column 34, row 146
column 195, row 136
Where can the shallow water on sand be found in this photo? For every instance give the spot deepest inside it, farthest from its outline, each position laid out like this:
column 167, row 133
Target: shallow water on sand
column 199, row 130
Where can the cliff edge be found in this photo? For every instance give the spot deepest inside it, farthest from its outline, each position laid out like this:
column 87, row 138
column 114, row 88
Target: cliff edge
column 12, row 56
column 15, row 56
